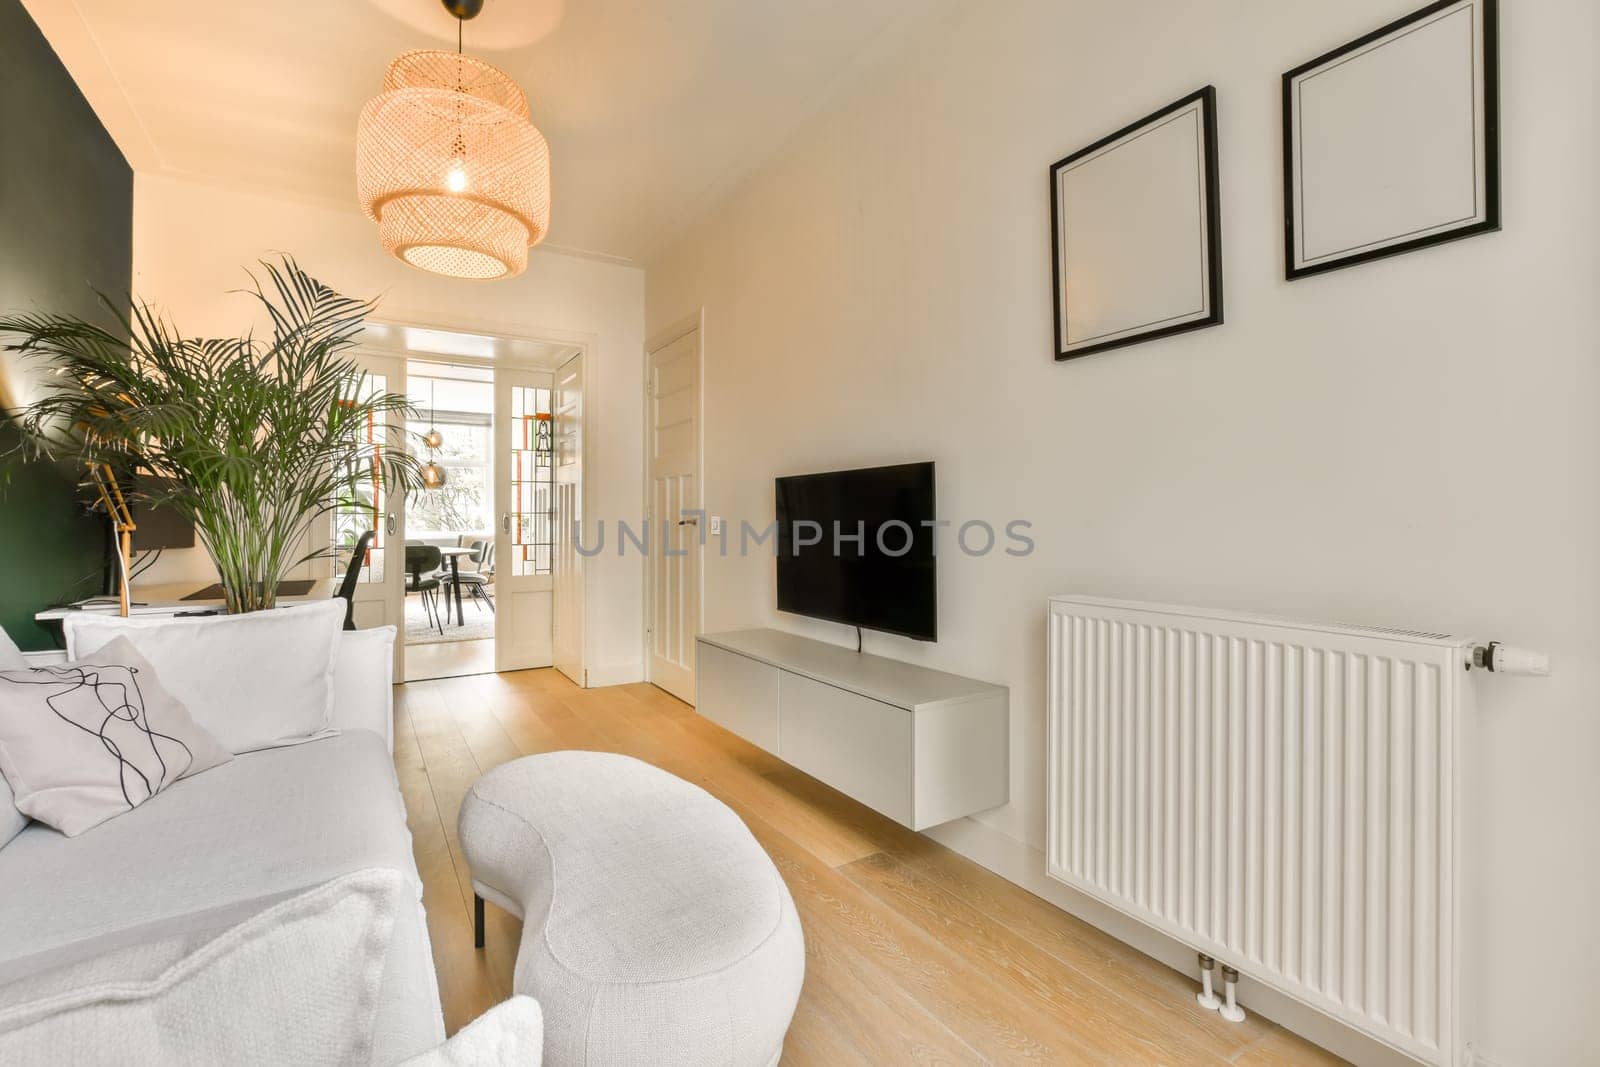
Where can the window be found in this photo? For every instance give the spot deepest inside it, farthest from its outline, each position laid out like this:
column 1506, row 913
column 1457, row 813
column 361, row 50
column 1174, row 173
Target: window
column 464, row 504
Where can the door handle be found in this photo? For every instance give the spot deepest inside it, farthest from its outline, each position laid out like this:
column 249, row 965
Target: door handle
column 505, row 522
column 389, row 523
column 688, row 522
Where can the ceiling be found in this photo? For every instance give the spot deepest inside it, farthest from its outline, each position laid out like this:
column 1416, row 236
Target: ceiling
column 654, row 109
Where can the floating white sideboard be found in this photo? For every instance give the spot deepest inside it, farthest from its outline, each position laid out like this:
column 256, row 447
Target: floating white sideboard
column 921, row 746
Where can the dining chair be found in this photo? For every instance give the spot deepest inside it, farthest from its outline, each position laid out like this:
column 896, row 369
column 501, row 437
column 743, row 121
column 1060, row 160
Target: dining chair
column 478, row 578
column 352, row 577
column 422, row 565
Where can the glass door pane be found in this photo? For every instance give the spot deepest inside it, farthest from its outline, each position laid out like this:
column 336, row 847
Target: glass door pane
column 532, row 470
column 525, row 447
column 365, row 510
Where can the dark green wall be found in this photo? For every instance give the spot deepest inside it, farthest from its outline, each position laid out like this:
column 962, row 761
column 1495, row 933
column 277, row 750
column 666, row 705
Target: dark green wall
column 66, row 229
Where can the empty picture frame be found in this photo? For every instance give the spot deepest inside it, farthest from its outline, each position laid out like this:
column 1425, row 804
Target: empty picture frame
column 1391, row 142
column 1135, row 231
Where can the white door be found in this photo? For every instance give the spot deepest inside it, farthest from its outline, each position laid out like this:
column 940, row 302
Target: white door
column 672, row 414
column 380, row 596
column 524, row 463
column 569, row 586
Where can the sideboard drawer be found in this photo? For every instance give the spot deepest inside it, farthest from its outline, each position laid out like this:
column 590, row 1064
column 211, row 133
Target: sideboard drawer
column 859, row 746
column 739, row 694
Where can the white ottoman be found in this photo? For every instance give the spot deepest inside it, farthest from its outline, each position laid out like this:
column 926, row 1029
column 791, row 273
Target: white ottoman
column 655, row 929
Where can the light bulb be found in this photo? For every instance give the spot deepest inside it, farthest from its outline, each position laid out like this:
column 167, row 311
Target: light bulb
column 456, row 180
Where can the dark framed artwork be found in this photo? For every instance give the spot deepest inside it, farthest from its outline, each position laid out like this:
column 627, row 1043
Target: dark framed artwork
column 1392, row 142
column 1136, row 236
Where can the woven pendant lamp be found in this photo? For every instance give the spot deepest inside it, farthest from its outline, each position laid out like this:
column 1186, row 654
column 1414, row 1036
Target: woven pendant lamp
column 450, row 168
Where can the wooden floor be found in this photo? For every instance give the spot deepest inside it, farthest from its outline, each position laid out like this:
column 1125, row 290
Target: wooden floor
column 449, row 659
column 913, row 953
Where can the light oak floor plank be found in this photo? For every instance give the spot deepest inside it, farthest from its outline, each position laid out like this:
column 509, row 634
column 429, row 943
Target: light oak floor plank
column 467, row 988
column 914, row 954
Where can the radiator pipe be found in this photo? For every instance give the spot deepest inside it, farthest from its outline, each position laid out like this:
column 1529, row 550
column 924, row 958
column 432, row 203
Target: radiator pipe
column 1230, row 983
column 1207, row 997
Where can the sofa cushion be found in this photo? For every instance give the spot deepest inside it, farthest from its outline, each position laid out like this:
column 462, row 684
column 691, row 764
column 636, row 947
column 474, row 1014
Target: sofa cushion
column 255, row 681
column 363, row 682
column 317, row 958
column 85, row 741
column 223, row 847
column 263, row 825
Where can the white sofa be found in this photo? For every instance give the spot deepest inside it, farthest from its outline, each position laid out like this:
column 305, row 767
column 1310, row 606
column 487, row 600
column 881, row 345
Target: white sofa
column 231, row 842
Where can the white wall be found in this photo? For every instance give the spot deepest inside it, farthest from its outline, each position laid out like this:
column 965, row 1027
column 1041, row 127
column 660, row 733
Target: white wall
column 1410, row 442
column 192, row 243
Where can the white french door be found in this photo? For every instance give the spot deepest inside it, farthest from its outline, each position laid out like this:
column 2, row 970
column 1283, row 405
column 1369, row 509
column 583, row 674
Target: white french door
column 673, row 425
column 524, row 585
column 380, row 595
column 568, row 477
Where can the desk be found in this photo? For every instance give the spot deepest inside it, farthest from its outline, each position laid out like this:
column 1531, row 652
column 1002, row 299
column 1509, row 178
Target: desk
column 454, row 556
column 166, row 600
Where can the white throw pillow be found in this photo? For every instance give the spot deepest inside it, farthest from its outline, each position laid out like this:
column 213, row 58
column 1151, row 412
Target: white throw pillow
column 11, row 657
column 82, row 742
column 296, row 983
column 510, row 1032
column 261, row 680
column 12, row 821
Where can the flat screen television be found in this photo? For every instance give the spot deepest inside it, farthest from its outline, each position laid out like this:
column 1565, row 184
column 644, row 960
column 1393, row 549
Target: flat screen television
column 883, row 579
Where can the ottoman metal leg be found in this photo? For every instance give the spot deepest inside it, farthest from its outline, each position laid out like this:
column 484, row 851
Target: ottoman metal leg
column 477, row 921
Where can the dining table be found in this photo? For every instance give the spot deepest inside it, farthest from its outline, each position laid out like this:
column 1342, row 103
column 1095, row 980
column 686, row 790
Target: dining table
column 454, row 554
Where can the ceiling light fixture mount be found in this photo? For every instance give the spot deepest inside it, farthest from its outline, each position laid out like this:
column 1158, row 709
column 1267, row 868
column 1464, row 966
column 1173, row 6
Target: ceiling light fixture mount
column 448, row 165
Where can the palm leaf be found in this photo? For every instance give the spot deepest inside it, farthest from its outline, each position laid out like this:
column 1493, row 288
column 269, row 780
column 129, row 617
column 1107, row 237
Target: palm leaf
column 250, row 439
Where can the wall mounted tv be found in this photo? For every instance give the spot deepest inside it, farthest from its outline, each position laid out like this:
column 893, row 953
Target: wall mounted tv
column 882, row 579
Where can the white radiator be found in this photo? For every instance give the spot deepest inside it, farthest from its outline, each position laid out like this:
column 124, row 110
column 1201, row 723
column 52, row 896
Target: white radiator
column 1282, row 796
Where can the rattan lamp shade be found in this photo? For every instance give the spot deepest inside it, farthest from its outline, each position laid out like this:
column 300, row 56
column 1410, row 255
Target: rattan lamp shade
column 450, row 168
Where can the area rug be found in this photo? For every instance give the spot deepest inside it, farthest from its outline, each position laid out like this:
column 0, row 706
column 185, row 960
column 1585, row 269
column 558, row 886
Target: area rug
column 421, row 631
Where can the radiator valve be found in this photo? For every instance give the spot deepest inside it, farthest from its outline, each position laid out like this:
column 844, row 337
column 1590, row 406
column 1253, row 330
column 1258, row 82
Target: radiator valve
column 1504, row 659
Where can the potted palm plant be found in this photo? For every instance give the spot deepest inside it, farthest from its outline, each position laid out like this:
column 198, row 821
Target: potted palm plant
column 251, row 439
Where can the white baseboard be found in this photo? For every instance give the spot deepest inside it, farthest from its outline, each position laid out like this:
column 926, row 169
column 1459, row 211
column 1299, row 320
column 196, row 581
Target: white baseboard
column 616, row 674
column 1024, row 865
column 46, row 658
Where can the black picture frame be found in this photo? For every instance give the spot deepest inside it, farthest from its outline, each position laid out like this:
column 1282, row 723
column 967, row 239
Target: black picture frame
column 1209, row 246
column 1486, row 115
